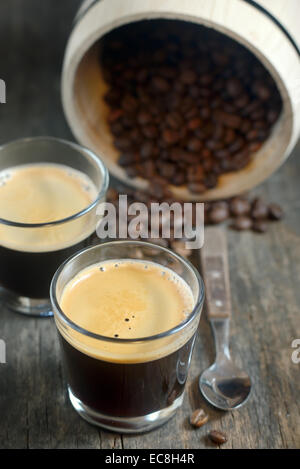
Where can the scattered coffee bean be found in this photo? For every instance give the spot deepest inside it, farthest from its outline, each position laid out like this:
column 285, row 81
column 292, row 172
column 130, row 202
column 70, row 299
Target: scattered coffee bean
column 218, row 215
column 275, row 212
column 198, row 418
column 217, row 437
column 260, row 226
column 242, row 223
column 240, row 206
column 259, row 209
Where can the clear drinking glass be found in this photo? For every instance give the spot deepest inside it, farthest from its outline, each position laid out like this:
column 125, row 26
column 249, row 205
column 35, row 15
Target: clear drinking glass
column 126, row 385
column 26, row 265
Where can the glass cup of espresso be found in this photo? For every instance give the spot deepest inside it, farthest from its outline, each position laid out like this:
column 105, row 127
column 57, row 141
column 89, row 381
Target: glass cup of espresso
column 127, row 313
column 49, row 191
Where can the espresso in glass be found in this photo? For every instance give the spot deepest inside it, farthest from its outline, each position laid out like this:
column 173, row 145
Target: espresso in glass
column 127, row 327
column 47, row 212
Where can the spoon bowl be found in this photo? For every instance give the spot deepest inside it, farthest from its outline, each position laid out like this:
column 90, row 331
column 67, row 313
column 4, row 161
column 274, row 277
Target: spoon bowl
column 225, row 386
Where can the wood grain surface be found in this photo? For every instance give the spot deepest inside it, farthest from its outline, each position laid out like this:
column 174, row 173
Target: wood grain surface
column 264, row 272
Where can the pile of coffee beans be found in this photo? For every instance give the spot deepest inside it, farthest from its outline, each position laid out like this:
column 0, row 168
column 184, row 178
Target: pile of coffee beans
column 187, row 103
column 246, row 214
column 240, row 213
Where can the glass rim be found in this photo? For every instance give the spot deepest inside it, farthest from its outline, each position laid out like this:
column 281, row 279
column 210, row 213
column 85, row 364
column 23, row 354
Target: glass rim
column 96, row 159
column 182, row 325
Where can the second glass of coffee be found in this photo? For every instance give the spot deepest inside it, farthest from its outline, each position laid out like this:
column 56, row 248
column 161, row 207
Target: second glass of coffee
column 49, row 191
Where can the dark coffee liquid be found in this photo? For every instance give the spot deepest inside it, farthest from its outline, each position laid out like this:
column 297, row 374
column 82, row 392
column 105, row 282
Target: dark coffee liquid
column 29, row 274
column 127, row 389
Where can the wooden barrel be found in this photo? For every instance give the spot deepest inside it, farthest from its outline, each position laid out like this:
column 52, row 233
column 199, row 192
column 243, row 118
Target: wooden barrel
column 268, row 28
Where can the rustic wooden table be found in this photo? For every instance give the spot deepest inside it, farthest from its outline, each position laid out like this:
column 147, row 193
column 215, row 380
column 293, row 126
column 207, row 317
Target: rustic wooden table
column 265, row 271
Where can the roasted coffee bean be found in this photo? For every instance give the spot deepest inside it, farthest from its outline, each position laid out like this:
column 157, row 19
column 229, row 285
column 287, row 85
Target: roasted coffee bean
column 222, row 153
column 135, row 136
column 240, row 160
column 218, row 132
column 227, row 119
column 234, row 87
column 142, row 75
column 116, row 128
column 229, row 137
column 259, row 113
column 144, row 118
column 195, row 123
column 198, row 418
column 262, row 134
column 115, row 115
column 251, row 107
column 261, row 125
column 246, row 126
column 254, row 146
column 128, row 158
column 218, row 214
column 160, row 84
column 170, row 136
column 191, row 113
column 239, row 206
column 174, row 120
column 150, row 131
column 242, row 223
column 158, row 188
column 129, row 103
column 188, row 77
column 147, row 149
column 206, row 79
column 208, row 165
column 275, row 212
column 214, row 144
column 149, row 167
column 206, row 153
column 217, row 437
column 260, row 226
column 178, row 179
column 272, row 116
column 210, row 180
column 259, row 209
column 122, row 143
column 194, row 144
column 205, row 112
column 132, row 171
column 237, row 145
column 252, row 134
column 167, row 170
column 195, row 173
column 241, row 101
column 261, row 90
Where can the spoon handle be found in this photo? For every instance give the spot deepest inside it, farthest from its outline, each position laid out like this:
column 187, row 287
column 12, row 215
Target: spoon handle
column 214, row 261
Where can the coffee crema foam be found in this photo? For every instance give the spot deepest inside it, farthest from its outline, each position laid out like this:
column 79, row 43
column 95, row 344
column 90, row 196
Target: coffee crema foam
column 43, row 193
column 127, row 299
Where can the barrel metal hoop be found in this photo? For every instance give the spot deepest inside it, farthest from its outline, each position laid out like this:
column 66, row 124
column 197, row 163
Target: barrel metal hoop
column 276, row 21
column 82, row 12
